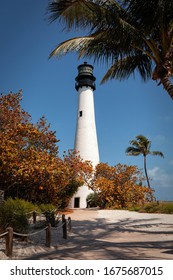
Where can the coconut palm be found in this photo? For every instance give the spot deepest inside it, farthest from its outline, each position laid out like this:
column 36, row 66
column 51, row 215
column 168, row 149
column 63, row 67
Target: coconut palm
column 129, row 35
column 141, row 146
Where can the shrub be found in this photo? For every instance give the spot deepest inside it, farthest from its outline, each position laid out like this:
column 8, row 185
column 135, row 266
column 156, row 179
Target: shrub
column 155, row 207
column 14, row 213
column 166, row 208
column 46, row 207
column 151, row 207
column 93, row 200
column 50, row 213
column 134, row 208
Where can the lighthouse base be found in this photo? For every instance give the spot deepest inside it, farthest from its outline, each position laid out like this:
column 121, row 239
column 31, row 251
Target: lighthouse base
column 79, row 199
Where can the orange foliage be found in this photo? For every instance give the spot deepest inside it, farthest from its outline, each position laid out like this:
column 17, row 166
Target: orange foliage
column 30, row 167
column 118, row 186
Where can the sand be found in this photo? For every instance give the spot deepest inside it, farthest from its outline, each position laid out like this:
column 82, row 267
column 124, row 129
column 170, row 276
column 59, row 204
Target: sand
column 103, row 234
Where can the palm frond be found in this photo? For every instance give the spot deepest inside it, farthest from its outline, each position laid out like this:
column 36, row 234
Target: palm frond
column 75, row 44
column 156, row 153
column 161, row 11
column 141, row 138
column 74, row 13
column 141, row 145
column 132, row 151
column 144, row 143
column 124, row 67
column 129, row 35
column 82, row 13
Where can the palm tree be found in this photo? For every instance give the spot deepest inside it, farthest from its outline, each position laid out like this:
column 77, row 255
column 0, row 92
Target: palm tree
column 141, row 146
column 129, row 35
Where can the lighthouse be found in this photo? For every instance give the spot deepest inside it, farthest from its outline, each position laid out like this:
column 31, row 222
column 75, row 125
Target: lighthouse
column 86, row 135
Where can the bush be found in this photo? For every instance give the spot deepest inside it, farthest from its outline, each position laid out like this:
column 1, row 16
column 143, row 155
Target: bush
column 151, row 207
column 14, row 213
column 166, row 208
column 93, row 200
column 155, row 207
column 50, row 213
column 46, row 207
column 134, row 208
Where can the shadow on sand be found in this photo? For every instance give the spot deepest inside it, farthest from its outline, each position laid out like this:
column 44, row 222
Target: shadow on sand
column 126, row 239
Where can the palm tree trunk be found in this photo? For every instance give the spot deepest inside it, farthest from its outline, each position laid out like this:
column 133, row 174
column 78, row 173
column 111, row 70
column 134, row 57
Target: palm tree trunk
column 145, row 168
column 167, row 85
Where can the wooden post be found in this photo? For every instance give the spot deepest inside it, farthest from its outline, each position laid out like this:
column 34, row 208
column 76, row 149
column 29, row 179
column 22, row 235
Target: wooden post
column 34, row 217
column 48, row 235
column 64, row 227
column 9, row 242
column 69, row 224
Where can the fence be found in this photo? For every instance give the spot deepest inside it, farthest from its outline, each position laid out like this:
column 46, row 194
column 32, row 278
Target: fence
column 10, row 233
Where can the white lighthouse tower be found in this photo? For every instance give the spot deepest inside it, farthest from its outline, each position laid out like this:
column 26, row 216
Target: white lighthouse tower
column 86, row 136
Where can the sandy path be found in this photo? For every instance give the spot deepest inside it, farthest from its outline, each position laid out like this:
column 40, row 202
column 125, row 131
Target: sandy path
column 106, row 234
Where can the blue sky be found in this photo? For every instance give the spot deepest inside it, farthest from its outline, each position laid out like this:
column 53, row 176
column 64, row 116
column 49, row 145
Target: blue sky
column 123, row 109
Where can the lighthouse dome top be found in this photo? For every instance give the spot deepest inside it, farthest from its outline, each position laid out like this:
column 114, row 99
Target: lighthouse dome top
column 85, row 69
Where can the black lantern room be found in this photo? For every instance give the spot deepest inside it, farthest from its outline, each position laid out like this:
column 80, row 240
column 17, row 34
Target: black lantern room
column 85, row 76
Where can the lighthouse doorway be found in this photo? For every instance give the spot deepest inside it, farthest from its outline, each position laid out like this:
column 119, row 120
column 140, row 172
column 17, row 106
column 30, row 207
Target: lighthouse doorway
column 76, row 202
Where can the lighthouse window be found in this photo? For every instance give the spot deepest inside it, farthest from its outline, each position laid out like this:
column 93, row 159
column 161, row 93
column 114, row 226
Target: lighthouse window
column 80, row 113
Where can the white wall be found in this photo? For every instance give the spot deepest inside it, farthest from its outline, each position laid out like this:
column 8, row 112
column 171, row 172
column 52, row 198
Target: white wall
column 86, row 137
